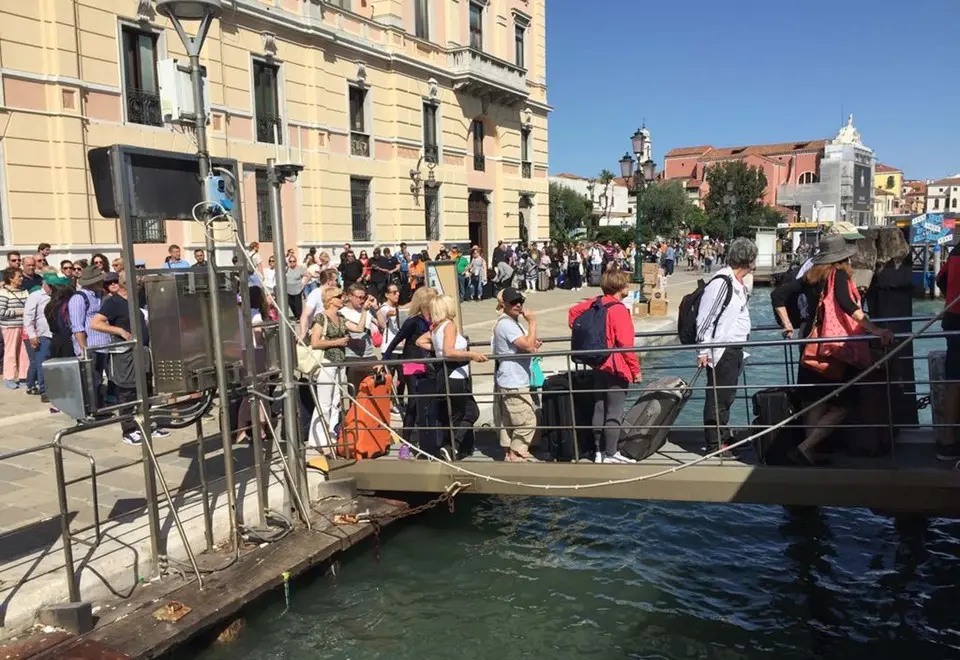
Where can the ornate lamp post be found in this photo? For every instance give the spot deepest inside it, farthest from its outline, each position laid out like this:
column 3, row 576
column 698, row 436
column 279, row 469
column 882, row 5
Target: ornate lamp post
column 730, row 200
column 639, row 179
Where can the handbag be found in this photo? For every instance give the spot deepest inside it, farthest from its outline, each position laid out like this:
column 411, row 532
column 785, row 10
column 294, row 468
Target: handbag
column 376, row 337
column 308, row 357
column 830, row 359
column 536, row 372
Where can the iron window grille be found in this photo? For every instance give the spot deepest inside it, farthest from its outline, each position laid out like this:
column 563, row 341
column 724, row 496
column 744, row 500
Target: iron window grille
column 140, row 86
column 479, row 162
column 359, row 135
column 360, row 208
column 431, row 212
column 431, row 151
column 264, row 211
column 148, row 230
column 266, row 103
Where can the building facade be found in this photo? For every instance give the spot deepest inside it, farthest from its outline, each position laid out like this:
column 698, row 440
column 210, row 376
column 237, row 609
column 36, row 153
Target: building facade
column 422, row 121
column 943, row 195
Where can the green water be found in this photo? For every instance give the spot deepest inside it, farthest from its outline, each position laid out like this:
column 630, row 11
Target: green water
column 507, row 578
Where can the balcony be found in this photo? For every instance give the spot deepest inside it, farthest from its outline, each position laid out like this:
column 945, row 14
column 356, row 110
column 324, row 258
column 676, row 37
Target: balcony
column 479, row 74
column 269, row 129
column 479, row 163
column 143, row 108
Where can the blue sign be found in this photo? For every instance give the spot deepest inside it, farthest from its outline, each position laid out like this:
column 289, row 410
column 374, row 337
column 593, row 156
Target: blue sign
column 928, row 228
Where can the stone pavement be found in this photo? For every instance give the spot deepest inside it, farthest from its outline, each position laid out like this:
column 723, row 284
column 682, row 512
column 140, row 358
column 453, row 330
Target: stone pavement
column 31, row 557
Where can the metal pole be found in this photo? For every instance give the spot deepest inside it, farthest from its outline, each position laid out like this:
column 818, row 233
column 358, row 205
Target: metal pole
column 638, row 239
column 223, row 386
column 937, row 252
column 291, row 403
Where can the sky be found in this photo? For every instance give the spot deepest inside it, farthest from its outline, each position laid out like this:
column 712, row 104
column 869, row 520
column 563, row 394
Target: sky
column 737, row 72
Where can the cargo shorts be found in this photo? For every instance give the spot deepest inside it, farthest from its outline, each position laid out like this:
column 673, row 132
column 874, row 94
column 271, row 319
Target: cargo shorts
column 520, row 418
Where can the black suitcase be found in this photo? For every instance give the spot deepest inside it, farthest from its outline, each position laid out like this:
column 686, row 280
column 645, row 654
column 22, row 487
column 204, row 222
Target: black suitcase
column 593, row 279
column 772, row 406
column 648, row 422
column 557, row 412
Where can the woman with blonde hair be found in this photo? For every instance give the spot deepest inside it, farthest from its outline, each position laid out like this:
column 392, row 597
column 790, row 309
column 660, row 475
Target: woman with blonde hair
column 328, row 334
column 416, row 375
column 453, row 379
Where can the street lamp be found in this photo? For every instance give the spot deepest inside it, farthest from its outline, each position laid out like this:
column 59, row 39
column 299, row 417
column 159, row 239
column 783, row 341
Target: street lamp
column 639, row 179
column 730, row 200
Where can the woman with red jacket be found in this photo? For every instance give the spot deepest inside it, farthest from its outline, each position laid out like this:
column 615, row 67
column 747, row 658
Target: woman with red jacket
column 612, row 378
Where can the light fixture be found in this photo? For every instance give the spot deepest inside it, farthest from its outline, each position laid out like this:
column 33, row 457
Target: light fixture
column 639, row 140
column 626, row 166
column 649, row 171
column 190, row 10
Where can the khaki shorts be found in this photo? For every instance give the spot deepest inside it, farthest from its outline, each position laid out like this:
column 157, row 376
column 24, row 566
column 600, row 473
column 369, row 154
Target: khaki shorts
column 516, row 409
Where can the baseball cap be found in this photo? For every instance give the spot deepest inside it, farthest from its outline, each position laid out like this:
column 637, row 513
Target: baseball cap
column 845, row 229
column 509, row 296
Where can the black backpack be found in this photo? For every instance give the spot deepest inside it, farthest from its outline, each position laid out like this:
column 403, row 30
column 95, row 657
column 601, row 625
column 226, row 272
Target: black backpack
column 690, row 307
column 590, row 334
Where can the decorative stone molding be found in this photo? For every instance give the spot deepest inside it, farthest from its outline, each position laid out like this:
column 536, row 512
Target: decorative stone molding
column 361, row 78
column 433, row 89
column 269, row 40
column 145, row 11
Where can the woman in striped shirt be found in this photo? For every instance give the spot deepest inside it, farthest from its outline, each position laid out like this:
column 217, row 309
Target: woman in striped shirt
column 12, row 299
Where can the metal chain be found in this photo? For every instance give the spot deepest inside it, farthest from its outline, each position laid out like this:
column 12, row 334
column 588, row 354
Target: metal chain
column 923, row 402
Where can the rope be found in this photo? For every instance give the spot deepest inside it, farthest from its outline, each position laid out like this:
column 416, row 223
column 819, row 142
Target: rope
column 458, row 467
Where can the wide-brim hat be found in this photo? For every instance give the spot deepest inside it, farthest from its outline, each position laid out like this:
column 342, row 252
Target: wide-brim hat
column 90, row 276
column 834, row 249
column 845, row 229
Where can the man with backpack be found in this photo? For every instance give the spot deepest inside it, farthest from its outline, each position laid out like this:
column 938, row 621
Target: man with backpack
column 722, row 317
column 602, row 323
column 82, row 307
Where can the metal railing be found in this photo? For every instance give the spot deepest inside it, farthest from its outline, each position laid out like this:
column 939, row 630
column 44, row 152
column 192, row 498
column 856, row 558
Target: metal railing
column 143, row 107
column 660, row 353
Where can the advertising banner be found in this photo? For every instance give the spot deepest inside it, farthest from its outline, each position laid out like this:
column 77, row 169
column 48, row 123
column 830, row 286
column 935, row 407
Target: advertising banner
column 862, row 184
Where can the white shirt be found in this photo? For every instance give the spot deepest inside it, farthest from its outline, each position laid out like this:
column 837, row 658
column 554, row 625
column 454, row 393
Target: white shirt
column 359, row 344
column 733, row 325
column 269, row 278
column 392, row 328
column 511, row 374
column 459, row 344
column 314, row 304
column 596, row 256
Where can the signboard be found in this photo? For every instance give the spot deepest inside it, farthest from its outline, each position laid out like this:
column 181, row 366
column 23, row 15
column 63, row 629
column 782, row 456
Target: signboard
column 442, row 276
column 862, row 185
column 931, row 228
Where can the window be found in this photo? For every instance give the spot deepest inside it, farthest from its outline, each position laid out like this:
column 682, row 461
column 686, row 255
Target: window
column 264, row 211
column 359, row 136
column 140, row 77
column 525, row 165
column 431, row 151
column 266, row 103
column 479, row 163
column 343, row 4
column 148, row 230
column 953, row 203
column 431, row 212
column 890, row 183
column 360, row 208
column 476, row 26
column 807, row 178
column 936, row 203
column 421, row 19
column 519, row 32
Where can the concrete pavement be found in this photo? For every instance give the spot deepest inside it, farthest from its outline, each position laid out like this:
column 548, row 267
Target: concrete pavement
column 31, row 555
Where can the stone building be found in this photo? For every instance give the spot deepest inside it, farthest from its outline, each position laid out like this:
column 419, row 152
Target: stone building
column 375, row 97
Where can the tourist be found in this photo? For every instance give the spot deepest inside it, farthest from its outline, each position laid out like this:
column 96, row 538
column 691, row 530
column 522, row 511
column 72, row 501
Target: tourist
column 417, row 271
column 829, row 281
column 174, row 260
column 67, row 269
column 618, row 370
column 724, row 317
column 478, row 275
column 531, row 267
column 101, row 262
column 329, row 334
column 16, row 362
column 253, row 257
column 453, row 381
column 83, row 306
column 512, row 377
column 574, row 269
column 351, row 270
column 948, row 279
column 270, row 276
column 359, row 312
column 297, row 276
column 387, row 320
column 37, row 333
column 461, row 262
column 420, row 411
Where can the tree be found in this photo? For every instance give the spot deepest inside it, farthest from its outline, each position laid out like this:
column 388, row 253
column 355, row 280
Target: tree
column 622, row 236
column 666, row 208
column 748, row 187
column 568, row 211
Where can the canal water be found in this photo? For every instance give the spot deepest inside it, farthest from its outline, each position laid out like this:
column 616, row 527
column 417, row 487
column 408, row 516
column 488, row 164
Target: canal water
column 518, row 578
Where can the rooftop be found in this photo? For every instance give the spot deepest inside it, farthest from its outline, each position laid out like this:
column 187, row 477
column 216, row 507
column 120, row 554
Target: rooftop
column 949, row 181
column 777, row 149
column 886, row 168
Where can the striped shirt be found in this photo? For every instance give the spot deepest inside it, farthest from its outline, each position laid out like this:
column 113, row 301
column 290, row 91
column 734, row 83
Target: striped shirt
column 11, row 307
column 81, row 313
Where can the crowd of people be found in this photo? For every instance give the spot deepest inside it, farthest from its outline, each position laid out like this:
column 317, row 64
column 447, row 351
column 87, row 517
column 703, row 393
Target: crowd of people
column 350, row 309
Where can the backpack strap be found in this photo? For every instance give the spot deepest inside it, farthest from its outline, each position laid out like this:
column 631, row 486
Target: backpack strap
column 726, row 301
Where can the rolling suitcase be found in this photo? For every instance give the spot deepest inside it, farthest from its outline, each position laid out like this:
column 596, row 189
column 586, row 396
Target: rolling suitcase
column 593, row 278
column 365, row 432
column 543, row 280
column 557, row 412
column 648, row 422
column 772, row 406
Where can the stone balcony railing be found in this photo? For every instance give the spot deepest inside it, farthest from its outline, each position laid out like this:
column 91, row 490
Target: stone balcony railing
column 481, row 74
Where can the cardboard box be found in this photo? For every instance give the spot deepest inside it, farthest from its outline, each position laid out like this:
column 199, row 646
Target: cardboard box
column 658, row 307
column 641, row 310
column 650, row 270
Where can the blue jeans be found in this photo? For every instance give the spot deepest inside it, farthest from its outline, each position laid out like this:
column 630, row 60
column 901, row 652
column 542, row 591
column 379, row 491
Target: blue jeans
column 462, row 287
column 476, row 287
column 37, row 357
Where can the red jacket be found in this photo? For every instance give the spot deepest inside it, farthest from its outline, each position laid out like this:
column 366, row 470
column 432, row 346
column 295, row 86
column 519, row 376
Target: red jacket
column 619, row 333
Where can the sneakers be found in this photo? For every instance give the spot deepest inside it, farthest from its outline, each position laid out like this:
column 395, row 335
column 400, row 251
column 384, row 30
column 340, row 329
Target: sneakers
column 33, row 390
column 445, row 455
column 133, row 438
column 395, row 409
column 948, row 452
column 619, row 458
column 159, row 433
column 44, row 398
column 11, row 384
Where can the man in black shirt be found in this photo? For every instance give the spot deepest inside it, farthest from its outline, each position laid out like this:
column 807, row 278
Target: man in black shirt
column 350, row 269
column 499, row 254
column 31, row 278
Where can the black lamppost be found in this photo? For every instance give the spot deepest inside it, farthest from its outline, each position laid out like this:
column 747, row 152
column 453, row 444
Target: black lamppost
column 730, row 200
column 639, row 179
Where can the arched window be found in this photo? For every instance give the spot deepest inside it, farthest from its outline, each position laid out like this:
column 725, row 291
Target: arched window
column 890, row 183
column 807, row 178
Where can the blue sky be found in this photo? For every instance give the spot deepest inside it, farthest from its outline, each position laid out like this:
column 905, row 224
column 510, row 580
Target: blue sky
column 731, row 72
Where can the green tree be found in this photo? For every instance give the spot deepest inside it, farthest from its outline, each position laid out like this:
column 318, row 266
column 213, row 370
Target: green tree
column 568, row 211
column 747, row 185
column 621, row 236
column 666, row 208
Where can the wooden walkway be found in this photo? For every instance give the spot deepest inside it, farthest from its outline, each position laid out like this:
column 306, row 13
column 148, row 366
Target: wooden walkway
column 911, row 479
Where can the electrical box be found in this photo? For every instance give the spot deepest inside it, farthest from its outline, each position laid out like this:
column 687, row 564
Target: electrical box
column 220, row 191
column 176, row 91
column 69, row 386
column 181, row 338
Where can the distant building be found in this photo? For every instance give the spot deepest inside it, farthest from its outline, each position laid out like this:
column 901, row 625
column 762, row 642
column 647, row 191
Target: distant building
column 612, row 203
column 942, row 195
column 825, row 180
column 890, row 180
column 914, row 197
column 885, row 204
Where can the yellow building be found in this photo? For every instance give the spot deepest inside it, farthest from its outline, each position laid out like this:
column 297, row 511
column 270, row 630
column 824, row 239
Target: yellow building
column 888, row 180
column 369, row 95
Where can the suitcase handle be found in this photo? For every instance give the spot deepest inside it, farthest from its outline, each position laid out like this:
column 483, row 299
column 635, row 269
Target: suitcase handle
column 695, row 377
